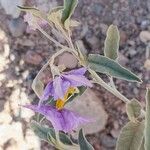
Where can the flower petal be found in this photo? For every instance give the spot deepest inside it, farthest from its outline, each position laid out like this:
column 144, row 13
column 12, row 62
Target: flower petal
column 80, row 71
column 48, row 91
column 63, row 120
column 77, row 80
column 72, row 120
column 60, row 87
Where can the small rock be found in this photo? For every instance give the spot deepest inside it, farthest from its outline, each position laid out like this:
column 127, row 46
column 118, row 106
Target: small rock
column 5, row 118
column 32, row 141
column 108, row 141
column 97, row 8
column 144, row 36
column 104, row 28
column 17, row 27
column 89, row 105
column 123, row 37
column 25, row 42
column 13, row 131
column 132, row 43
column 10, row 7
column 147, row 64
column 33, row 58
column 115, row 133
column 46, row 5
column 148, row 5
column 68, row 60
column 145, row 23
column 93, row 42
column 122, row 59
column 132, row 52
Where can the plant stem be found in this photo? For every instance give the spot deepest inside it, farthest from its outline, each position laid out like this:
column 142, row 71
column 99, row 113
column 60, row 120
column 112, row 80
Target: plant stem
column 112, row 90
column 50, row 38
column 98, row 80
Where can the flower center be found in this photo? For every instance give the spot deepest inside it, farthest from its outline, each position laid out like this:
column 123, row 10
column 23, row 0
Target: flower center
column 61, row 102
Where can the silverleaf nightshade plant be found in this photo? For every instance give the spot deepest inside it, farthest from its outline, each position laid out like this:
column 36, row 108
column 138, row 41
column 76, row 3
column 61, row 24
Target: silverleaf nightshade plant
column 67, row 84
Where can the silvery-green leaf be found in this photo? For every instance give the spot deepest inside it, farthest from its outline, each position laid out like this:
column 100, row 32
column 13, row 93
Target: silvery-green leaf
column 44, row 132
column 142, row 146
column 131, row 136
column 133, row 109
column 110, row 67
column 112, row 42
column 40, row 131
column 69, row 7
column 36, row 12
column 84, row 144
column 37, row 84
column 147, row 121
column 38, row 87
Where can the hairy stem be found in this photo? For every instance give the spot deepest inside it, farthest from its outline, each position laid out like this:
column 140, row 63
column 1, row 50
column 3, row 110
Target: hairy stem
column 112, row 90
column 51, row 38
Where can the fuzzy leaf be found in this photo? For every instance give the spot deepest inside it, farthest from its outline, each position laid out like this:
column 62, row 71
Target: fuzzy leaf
column 142, row 146
column 112, row 42
column 40, row 131
column 108, row 66
column 147, row 123
column 69, row 7
column 131, row 136
column 133, row 109
column 34, row 11
column 38, row 87
column 44, row 132
column 84, row 144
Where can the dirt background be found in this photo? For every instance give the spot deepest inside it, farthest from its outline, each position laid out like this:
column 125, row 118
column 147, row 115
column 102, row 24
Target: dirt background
column 23, row 53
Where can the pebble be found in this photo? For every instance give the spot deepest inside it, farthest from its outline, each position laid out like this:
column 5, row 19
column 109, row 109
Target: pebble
column 25, row 42
column 147, row 64
column 144, row 36
column 122, row 59
column 68, row 60
column 123, row 37
column 33, row 58
column 93, row 42
column 115, row 133
column 108, row 141
column 104, row 28
column 17, row 27
column 97, row 8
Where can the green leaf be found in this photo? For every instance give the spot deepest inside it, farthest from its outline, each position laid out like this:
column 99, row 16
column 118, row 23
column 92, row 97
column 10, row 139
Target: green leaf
column 40, row 131
column 44, row 132
column 131, row 136
column 84, row 144
column 147, row 121
column 111, row 45
column 110, row 67
column 69, row 7
column 133, row 109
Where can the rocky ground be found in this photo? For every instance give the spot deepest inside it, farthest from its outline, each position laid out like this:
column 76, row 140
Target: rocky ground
column 22, row 54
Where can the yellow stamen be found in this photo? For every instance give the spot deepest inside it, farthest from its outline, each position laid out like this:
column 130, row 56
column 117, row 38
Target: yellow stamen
column 61, row 102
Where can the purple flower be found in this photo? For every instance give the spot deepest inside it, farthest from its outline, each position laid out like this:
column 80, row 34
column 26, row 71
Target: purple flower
column 62, row 120
column 60, row 85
